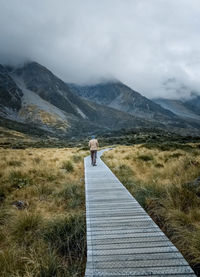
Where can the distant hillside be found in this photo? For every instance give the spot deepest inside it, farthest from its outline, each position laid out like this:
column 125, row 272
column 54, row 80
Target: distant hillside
column 121, row 97
column 38, row 79
column 35, row 101
column 46, row 102
column 185, row 109
column 194, row 104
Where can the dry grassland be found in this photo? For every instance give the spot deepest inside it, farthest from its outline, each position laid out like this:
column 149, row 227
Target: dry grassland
column 160, row 178
column 42, row 212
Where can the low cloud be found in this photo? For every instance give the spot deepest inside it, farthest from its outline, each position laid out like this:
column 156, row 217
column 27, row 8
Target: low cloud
column 142, row 43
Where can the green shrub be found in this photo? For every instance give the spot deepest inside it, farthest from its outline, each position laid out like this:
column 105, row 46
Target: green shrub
column 68, row 166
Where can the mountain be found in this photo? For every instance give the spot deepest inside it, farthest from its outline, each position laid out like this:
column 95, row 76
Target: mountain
column 119, row 96
column 194, row 104
column 38, row 79
column 10, row 94
column 35, row 101
column 188, row 109
column 46, row 102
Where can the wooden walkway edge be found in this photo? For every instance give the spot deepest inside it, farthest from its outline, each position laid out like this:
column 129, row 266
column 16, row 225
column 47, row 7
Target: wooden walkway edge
column 122, row 240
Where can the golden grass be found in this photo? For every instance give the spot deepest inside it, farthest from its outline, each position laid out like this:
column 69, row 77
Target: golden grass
column 163, row 167
column 159, row 181
column 37, row 177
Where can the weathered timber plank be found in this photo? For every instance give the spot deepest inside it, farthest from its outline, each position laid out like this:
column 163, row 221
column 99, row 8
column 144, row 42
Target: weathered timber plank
column 122, row 240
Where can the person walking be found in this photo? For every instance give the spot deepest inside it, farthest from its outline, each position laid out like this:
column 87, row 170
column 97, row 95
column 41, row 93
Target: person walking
column 93, row 144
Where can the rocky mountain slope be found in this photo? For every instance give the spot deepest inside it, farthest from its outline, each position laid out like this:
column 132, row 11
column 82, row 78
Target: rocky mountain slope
column 121, row 97
column 38, row 79
column 189, row 109
column 46, row 102
column 34, row 100
column 10, row 94
column 194, row 104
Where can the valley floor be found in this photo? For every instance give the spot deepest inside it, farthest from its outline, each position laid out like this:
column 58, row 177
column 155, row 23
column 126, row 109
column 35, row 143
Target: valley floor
column 42, row 203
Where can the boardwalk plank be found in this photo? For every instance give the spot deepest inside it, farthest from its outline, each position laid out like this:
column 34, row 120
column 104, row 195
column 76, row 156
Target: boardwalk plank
column 122, row 240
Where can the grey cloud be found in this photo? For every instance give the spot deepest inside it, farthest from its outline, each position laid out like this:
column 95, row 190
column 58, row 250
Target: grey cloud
column 143, row 43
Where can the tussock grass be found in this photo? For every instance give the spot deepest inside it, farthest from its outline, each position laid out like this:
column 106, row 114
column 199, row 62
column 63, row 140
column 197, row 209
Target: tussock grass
column 73, row 196
column 145, row 158
column 67, row 235
column 159, row 176
column 11, row 263
column 68, row 166
column 31, row 239
column 25, row 227
column 168, row 146
column 77, row 158
column 15, row 163
column 4, row 215
column 18, row 179
column 3, row 191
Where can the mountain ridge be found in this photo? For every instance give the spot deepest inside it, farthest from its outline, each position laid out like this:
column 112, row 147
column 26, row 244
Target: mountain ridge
column 119, row 96
column 183, row 108
column 50, row 104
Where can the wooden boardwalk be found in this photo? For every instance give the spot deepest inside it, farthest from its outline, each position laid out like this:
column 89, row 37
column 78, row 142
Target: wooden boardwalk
column 122, row 240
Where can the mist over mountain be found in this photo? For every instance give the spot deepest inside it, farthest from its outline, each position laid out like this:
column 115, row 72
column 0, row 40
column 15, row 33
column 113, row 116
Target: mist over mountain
column 141, row 43
column 48, row 103
column 33, row 96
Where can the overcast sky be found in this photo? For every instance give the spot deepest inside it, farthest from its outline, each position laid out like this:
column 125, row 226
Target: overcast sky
column 143, row 43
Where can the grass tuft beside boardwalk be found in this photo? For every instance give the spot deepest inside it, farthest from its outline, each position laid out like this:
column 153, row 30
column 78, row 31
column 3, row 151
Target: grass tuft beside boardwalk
column 42, row 212
column 159, row 177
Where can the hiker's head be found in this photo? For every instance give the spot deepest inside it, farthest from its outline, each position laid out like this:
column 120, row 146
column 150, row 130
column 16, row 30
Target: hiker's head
column 93, row 136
